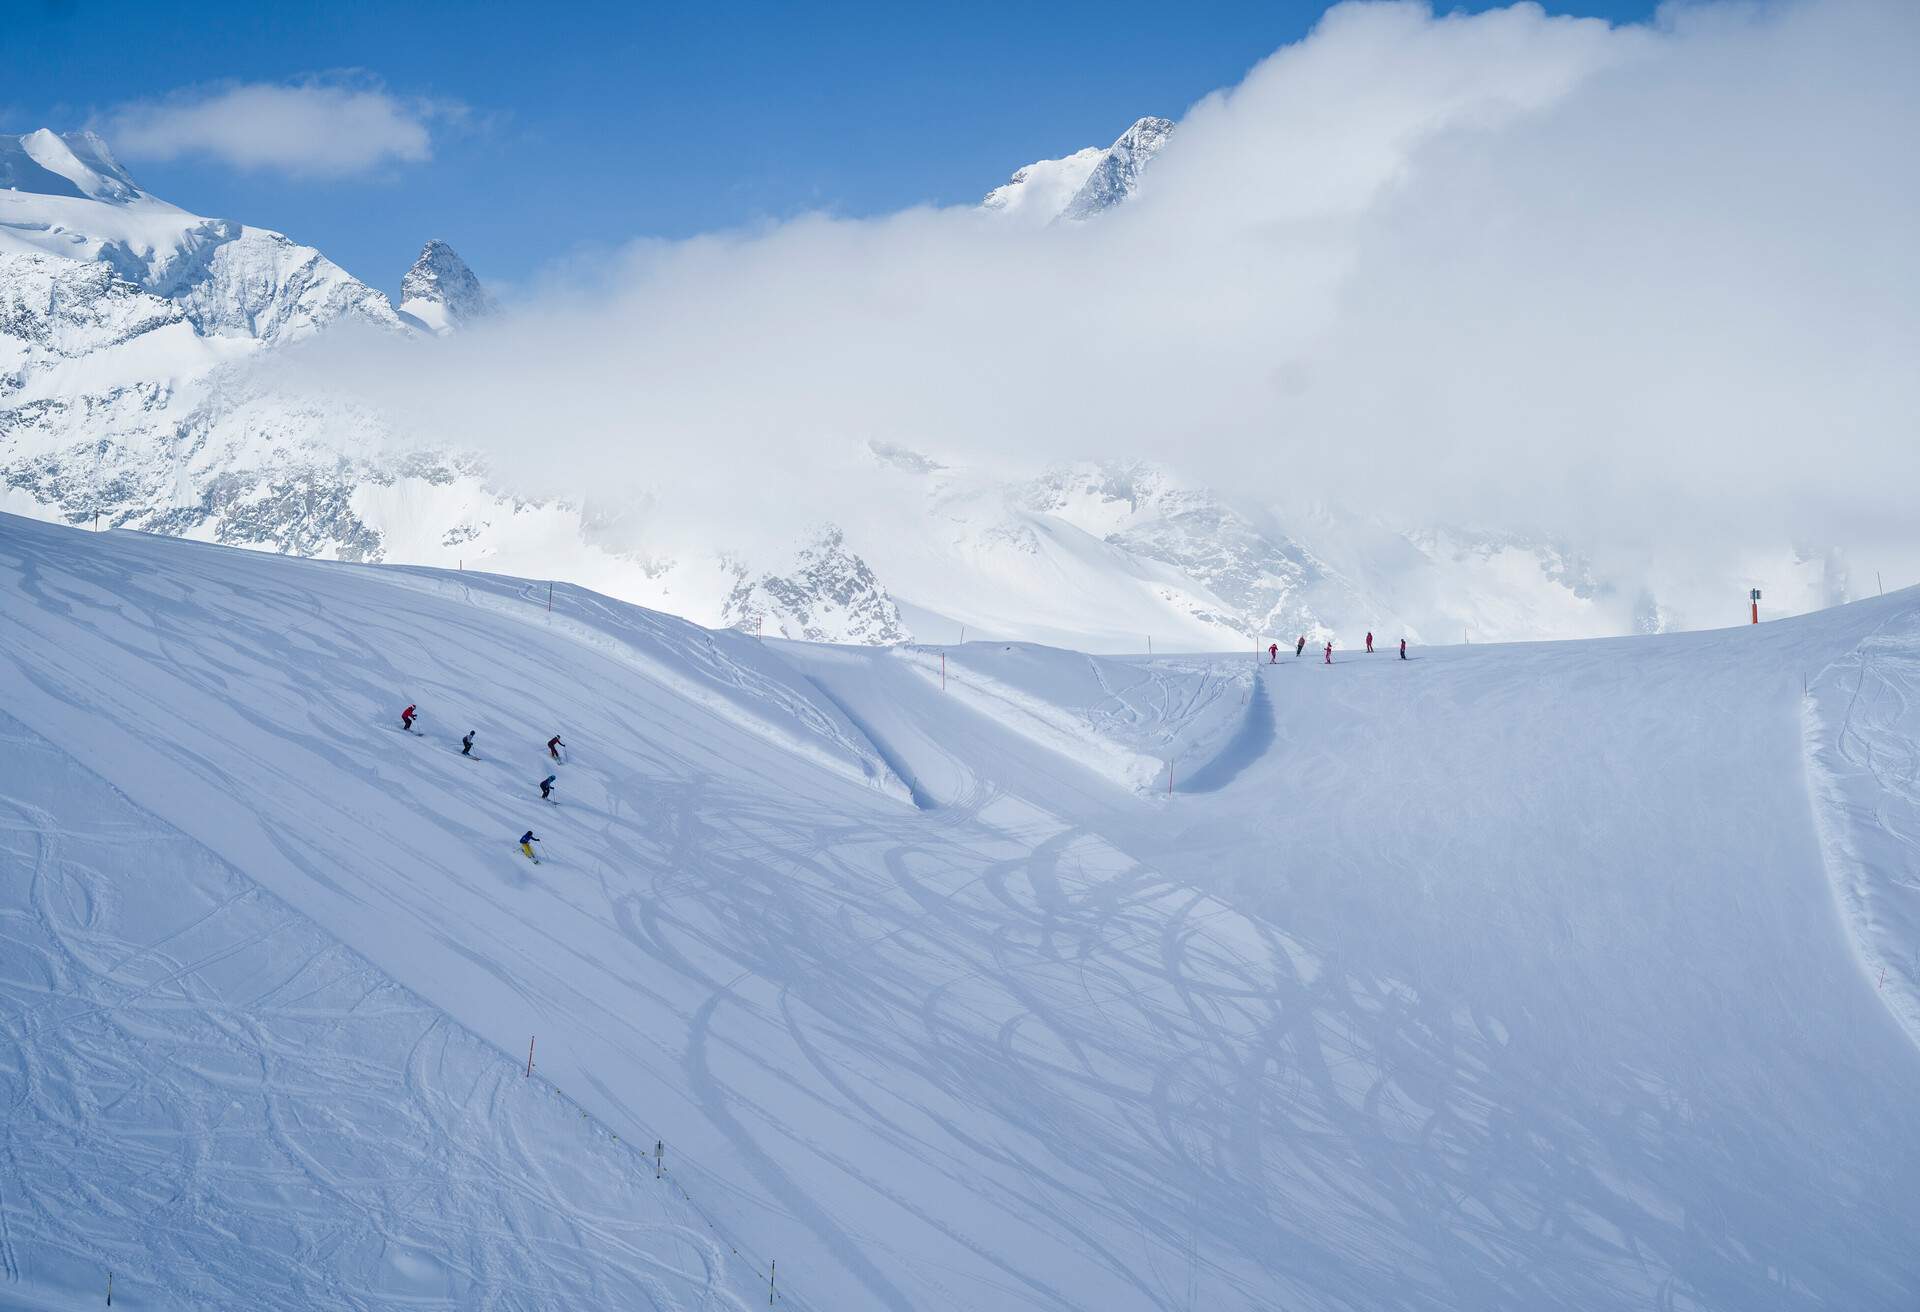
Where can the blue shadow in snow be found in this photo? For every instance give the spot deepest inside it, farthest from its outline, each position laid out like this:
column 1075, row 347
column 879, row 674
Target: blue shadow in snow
column 1247, row 745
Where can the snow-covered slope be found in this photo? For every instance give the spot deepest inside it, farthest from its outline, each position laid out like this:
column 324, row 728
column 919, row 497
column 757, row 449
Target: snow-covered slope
column 1503, row 977
column 67, row 196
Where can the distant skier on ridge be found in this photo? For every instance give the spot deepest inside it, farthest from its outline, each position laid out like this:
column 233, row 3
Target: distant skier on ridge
column 1299, row 646
column 553, row 746
column 1329, row 651
column 406, row 719
column 1369, row 642
column 1273, row 652
column 1403, row 649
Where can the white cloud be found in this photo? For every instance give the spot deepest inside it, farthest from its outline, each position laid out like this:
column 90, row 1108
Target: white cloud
column 321, row 127
column 1646, row 286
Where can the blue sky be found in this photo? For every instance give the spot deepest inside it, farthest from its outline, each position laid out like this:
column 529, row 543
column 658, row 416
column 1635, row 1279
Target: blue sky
column 608, row 122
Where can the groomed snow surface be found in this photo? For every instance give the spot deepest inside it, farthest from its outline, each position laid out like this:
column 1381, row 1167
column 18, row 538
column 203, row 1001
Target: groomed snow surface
column 1572, row 975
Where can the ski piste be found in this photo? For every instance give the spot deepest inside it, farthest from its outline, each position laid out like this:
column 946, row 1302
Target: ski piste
column 1406, row 962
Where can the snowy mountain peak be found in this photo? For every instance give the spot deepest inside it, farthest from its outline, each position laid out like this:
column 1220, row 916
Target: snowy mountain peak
column 1084, row 183
column 1116, row 175
column 441, row 292
column 67, row 196
column 77, row 164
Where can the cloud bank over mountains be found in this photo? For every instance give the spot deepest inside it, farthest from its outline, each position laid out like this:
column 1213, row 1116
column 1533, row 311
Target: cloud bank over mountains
column 1651, row 283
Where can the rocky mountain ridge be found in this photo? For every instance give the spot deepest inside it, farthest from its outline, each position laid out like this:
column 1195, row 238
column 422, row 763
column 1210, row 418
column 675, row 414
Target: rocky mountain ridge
column 1083, row 184
column 440, row 292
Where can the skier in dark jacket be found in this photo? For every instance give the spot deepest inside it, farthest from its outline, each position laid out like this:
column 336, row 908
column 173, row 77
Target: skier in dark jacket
column 1299, row 646
column 1403, row 649
column 406, row 719
column 466, row 744
column 1329, row 651
column 546, row 788
column 1273, row 652
column 553, row 746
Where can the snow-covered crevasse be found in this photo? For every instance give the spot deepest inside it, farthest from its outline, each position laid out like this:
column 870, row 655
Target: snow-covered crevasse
column 1863, row 760
column 217, row 1104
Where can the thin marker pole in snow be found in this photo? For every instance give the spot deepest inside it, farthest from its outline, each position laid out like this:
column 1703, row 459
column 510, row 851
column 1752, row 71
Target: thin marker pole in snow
column 659, row 1151
column 1169, row 776
column 943, row 671
column 1883, row 978
column 1877, row 585
column 109, row 1289
column 530, row 1057
column 549, row 596
column 963, row 635
column 772, row 1268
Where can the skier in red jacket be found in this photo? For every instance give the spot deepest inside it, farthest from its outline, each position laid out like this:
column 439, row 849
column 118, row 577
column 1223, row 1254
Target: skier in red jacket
column 1369, row 641
column 1403, row 649
column 406, row 719
column 1273, row 652
column 553, row 746
column 1329, row 651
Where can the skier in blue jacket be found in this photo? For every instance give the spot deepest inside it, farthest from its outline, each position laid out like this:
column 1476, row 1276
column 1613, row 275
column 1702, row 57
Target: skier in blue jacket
column 546, row 788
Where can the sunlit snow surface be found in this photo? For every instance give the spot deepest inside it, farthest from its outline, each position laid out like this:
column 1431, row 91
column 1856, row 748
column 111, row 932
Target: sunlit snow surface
column 1504, row 977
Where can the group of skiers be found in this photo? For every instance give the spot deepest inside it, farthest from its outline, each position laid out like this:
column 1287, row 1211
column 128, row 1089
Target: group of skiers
column 528, row 839
column 554, row 744
column 1273, row 649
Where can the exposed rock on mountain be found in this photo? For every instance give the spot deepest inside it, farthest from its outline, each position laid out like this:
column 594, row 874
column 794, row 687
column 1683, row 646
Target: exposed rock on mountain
column 828, row 595
column 68, row 197
column 440, row 292
column 1084, row 183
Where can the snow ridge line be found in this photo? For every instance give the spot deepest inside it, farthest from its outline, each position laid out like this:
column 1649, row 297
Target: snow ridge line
column 659, row 672
column 1046, row 724
column 1863, row 777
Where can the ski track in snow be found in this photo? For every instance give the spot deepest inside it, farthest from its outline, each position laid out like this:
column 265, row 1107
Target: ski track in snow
column 215, row 1102
column 1047, row 1044
column 1864, row 758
